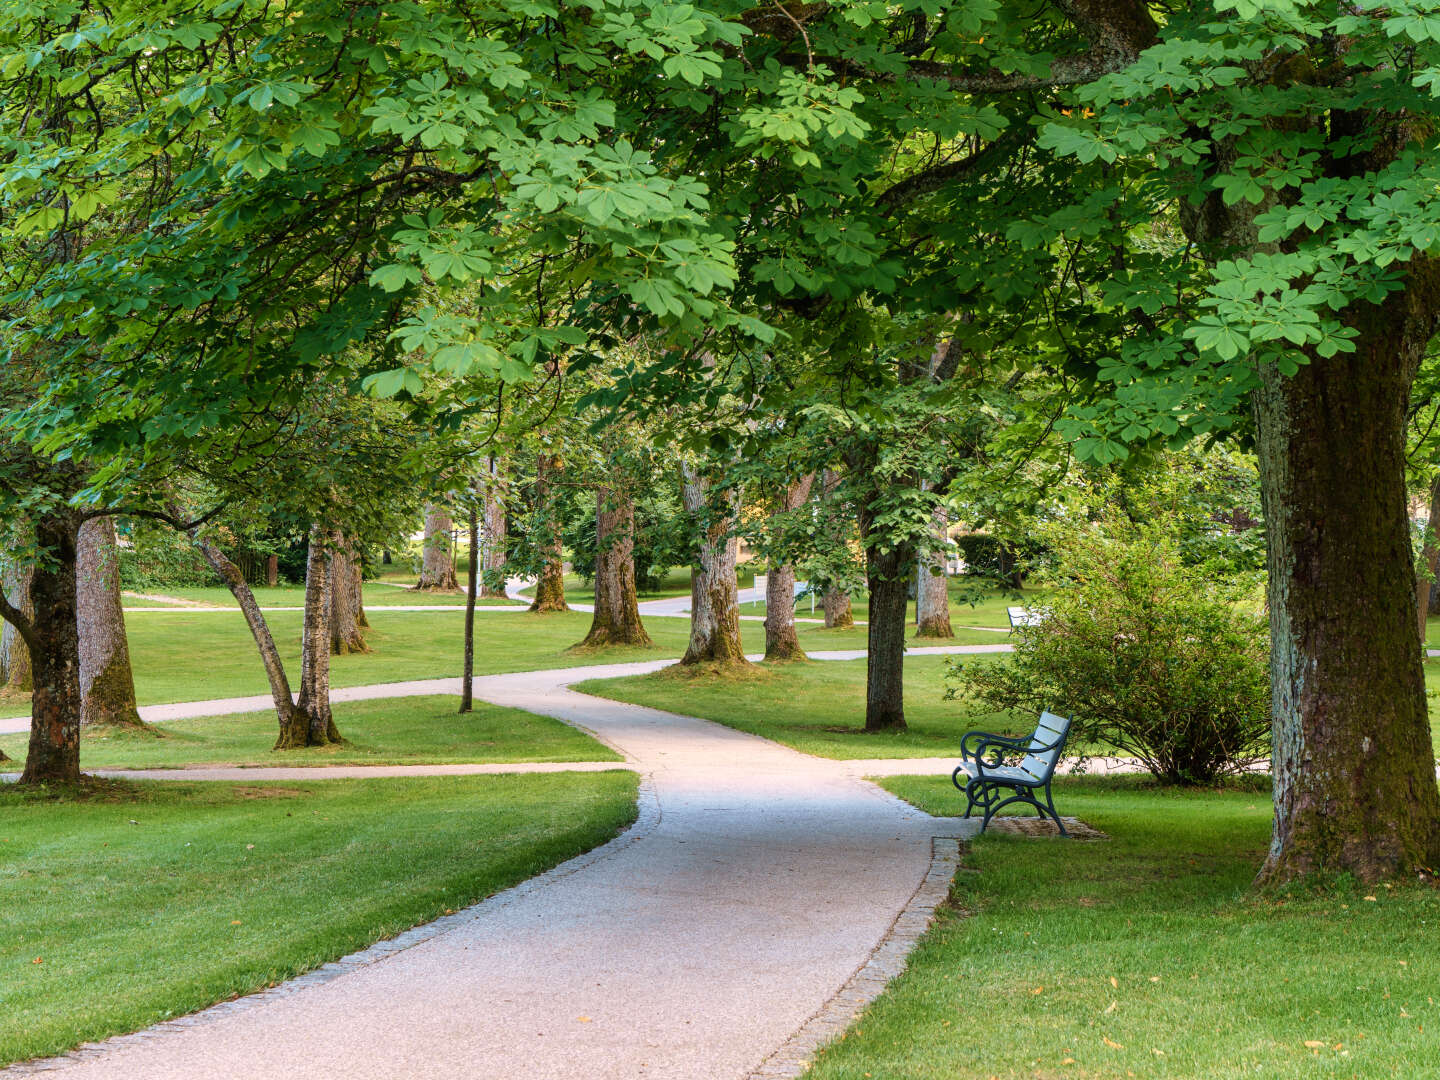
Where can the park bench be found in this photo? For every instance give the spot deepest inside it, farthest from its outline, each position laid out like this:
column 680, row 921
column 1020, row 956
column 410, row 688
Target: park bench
column 1023, row 616
column 987, row 779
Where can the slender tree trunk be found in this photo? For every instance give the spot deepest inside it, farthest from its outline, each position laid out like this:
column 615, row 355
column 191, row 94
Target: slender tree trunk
column 714, row 591
column 13, row 650
column 467, row 677
column 272, row 570
column 313, row 724
column 289, row 716
column 781, row 641
column 107, row 684
column 835, row 601
column 617, row 606
column 437, row 566
column 493, row 583
column 1431, row 556
column 54, row 640
column 932, row 598
column 550, row 589
column 1354, row 773
column 345, row 634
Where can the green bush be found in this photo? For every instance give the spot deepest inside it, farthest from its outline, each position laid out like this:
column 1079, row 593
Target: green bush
column 158, row 557
column 1144, row 654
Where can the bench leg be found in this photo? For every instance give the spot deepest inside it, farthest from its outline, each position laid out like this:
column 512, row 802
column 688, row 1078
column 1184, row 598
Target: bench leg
column 1050, row 803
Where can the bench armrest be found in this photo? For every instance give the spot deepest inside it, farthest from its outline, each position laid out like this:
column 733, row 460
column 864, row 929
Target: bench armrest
column 975, row 745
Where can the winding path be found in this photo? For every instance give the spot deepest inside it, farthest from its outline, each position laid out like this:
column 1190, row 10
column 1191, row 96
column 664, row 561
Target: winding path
column 738, row 924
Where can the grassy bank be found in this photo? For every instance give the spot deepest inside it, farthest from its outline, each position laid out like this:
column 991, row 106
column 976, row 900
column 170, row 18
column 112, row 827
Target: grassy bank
column 146, row 901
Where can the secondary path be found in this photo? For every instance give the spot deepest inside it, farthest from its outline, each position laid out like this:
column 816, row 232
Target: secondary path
column 758, row 881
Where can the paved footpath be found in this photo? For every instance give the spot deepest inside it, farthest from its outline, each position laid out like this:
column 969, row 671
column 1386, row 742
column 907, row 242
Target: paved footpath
column 761, row 899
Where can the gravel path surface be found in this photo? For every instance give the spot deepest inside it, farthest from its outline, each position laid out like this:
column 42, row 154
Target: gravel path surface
column 713, row 940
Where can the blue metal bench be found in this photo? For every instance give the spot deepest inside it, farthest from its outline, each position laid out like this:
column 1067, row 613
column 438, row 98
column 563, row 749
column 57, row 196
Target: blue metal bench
column 987, row 779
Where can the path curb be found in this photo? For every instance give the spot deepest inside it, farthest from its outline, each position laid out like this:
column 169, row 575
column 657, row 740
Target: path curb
column 887, row 962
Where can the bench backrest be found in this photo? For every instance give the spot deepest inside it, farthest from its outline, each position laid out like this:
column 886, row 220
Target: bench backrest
column 1023, row 616
column 1050, row 729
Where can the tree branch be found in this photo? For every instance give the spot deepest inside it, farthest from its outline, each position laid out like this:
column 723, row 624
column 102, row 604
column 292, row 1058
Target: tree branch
column 936, row 177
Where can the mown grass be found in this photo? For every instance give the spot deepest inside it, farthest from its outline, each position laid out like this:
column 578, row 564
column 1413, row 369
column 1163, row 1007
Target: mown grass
column 817, row 708
column 388, row 731
column 146, row 901
column 376, row 594
column 184, row 656
column 1146, row 955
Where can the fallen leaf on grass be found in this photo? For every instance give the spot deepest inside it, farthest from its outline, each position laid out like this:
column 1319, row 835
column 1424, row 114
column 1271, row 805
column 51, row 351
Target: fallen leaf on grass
column 1038, row 990
column 1111, row 1008
column 38, row 960
column 1114, row 982
column 1111, row 1043
column 1371, row 898
column 1314, row 1044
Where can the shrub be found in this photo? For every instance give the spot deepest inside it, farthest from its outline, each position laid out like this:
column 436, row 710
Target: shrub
column 1145, row 654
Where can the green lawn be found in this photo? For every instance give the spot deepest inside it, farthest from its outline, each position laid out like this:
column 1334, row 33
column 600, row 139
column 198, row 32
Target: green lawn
column 388, row 731
column 376, row 594
column 675, row 583
column 818, row 708
column 1145, row 955
column 194, row 656
column 119, row 911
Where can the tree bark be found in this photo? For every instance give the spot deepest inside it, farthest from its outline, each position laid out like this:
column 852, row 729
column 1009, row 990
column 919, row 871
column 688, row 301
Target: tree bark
column 835, row 601
column 493, row 583
column 714, row 591
column 290, row 718
column 1431, row 556
column 1354, row 774
column 312, row 723
column 345, row 613
column 467, row 675
column 550, row 589
column 54, row 641
column 14, row 653
column 932, row 597
column 781, row 641
column 437, row 565
column 617, row 605
column 272, row 570
column 888, row 577
column 107, row 683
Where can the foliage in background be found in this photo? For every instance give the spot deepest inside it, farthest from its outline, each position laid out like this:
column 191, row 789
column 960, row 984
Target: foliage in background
column 1146, row 654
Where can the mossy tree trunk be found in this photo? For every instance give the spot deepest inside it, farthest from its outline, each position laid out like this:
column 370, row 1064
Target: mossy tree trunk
column 1354, row 772
column 1431, row 556
column 437, row 560
column 493, row 582
column 54, row 642
column 888, row 575
column 14, row 653
column 107, row 684
column 781, row 641
column 312, row 723
column 346, row 611
column 550, row 589
column 714, row 591
column 932, row 597
column 286, row 712
column 617, row 606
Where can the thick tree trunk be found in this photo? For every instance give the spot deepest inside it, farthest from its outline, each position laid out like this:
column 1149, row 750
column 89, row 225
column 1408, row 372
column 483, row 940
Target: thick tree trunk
column 1354, row 774
column 107, row 684
column 14, row 653
column 888, row 575
column 550, row 589
column 467, row 674
column 617, row 607
column 932, row 597
column 289, row 716
column 714, row 591
column 781, row 641
column 1431, row 556
column 493, row 582
column 312, row 723
column 837, row 609
column 437, row 565
column 55, row 705
column 345, row 610
column 272, row 570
